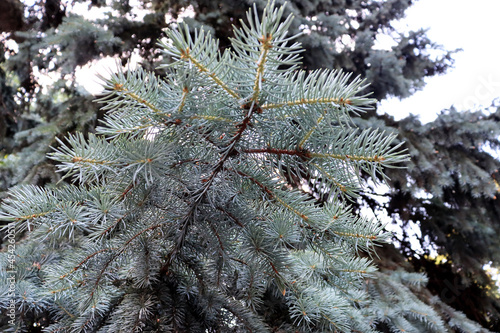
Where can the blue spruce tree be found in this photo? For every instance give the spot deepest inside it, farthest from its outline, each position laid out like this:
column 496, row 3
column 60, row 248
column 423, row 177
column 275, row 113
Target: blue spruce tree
column 180, row 218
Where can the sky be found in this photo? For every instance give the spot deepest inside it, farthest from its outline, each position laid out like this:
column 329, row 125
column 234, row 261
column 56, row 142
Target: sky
column 472, row 26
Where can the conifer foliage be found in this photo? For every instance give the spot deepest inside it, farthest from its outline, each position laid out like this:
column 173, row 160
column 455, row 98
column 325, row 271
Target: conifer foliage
column 181, row 216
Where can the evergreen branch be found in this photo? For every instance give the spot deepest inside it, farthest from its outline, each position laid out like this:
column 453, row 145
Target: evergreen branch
column 345, row 283
column 337, row 327
column 376, row 158
column 310, row 132
column 319, row 89
column 239, row 260
column 208, row 181
column 185, row 92
column 250, row 39
column 92, row 156
column 81, row 263
column 32, row 216
column 304, row 154
column 204, row 49
column 109, row 228
column 193, row 152
column 360, row 229
column 65, row 311
column 290, row 208
column 305, row 102
column 31, row 202
column 127, row 190
column 132, row 123
column 118, row 220
column 219, row 240
column 79, row 284
column 119, row 88
column 340, row 186
column 272, row 196
column 227, row 152
column 212, row 118
column 83, row 160
column 266, row 44
column 186, row 54
column 183, row 232
column 84, row 325
column 136, row 89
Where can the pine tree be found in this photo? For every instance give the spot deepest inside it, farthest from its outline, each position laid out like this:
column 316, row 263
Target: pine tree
column 450, row 191
column 179, row 217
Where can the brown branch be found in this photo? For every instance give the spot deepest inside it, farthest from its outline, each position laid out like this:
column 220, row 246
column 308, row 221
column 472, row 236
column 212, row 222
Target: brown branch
column 234, row 218
column 84, row 261
column 239, row 260
column 108, row 229
column 218, row 236
column 207, row 182
column 262, row 186
column 127, row 190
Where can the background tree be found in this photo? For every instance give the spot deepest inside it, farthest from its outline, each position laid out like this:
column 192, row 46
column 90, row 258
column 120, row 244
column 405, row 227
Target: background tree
column 450, row 190
column 459, row 206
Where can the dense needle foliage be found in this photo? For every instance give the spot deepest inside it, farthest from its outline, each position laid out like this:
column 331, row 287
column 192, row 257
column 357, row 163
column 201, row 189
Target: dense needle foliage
column 180, row 217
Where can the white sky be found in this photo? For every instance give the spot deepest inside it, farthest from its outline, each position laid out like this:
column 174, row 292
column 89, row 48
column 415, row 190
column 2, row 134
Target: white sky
column 473, row 26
